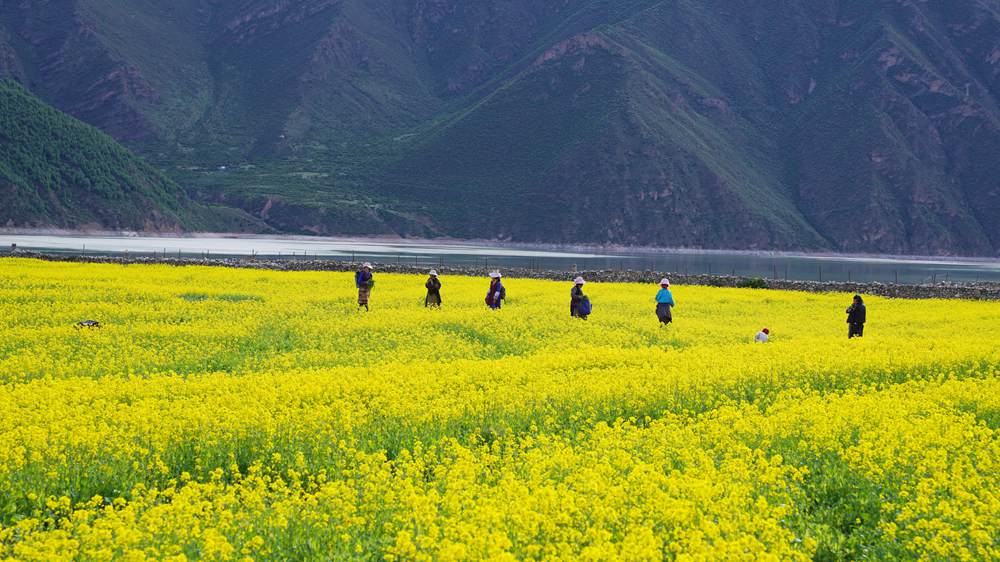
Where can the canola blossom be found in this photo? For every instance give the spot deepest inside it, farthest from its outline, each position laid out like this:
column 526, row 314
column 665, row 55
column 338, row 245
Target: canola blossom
column 222, row 414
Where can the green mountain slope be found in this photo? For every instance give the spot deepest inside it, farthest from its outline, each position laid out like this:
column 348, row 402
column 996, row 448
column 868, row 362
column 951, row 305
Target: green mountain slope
column 58, row 172
column 785, row 124
column 609, row 141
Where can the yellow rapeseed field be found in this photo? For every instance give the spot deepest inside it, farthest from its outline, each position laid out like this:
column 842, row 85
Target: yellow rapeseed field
column 225, row 414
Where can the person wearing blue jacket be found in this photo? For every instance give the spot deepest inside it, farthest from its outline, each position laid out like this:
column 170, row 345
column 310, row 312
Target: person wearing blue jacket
column 578, row 302
column 664, row 302
column 364, row 281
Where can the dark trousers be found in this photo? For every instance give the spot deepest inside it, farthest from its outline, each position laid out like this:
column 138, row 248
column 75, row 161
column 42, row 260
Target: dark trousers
column 663, row 313
column 856, row 330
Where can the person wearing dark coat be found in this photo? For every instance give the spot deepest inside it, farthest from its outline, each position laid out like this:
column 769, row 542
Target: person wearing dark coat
column 576, row 298
column 497, row 293
column 364, row 280
column 433, row 285
column 857, row 315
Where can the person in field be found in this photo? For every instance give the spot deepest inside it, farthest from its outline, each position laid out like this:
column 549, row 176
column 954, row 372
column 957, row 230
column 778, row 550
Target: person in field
column 857, row 315
column 364, row 281
column 762, row 336
column 433, row 284
column 579, row 303
column 665, row 302
column 497, row 293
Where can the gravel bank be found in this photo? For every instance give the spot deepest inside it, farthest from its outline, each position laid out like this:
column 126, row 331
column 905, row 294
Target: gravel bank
column 968, row 291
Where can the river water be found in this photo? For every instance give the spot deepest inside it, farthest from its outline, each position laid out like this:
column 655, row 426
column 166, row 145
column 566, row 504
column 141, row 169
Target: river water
column 431, row 254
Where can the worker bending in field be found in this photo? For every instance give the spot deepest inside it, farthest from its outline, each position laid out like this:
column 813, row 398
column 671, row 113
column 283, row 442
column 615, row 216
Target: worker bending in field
column 365, row 281
column 857, row 315
column 497, row 293
column 664, row 303
column 433, row 285
column 579, row 303
column 762, row 336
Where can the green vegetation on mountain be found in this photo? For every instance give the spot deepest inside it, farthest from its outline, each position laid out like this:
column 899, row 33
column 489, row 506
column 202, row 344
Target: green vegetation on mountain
column 790, row 124
column 58, row 172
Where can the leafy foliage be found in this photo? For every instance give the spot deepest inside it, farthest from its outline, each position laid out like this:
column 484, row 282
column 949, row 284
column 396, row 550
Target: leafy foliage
column 752, row 283
column 58, row 171
column 230, row 414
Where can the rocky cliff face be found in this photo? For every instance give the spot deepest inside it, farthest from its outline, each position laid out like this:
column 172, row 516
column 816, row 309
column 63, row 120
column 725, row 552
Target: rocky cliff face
column 787, row 124
column 904, row 132
column 58, row 51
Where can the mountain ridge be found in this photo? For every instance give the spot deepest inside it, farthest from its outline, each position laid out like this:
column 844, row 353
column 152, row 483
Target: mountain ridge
column 828, row 125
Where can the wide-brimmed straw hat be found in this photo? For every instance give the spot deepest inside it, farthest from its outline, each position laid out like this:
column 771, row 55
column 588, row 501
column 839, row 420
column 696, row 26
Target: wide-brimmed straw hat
column 433, row 273
column 366, row 265
column 495, row 274
column 579, row 281
column 665, row 281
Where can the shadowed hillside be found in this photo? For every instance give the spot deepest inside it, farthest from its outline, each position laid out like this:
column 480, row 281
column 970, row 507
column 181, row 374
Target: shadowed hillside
column 784, row 124
column 58, row 172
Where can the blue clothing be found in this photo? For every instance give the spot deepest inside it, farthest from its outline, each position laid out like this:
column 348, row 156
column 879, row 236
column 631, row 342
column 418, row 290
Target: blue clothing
column 665, row 297
column 362, row 279
column 495, row 297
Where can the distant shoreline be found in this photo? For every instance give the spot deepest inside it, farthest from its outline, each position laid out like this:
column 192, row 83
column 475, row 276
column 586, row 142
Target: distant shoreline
column 595, row 249
column 987, row 291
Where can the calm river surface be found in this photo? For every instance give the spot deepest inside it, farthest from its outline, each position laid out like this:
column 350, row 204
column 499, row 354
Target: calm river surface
column 429, row 254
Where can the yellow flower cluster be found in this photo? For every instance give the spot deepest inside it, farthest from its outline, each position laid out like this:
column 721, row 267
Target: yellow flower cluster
column 248, row 415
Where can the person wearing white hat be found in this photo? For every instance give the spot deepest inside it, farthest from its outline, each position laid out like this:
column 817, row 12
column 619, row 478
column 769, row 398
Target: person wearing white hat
column 364, row 281
column 664, row 302
column 497, row 293
column 433, row 285
column 579, row 304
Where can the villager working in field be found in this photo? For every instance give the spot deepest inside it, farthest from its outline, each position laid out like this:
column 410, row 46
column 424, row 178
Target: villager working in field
column 762, row 336
column 433, row 284
column 364, row 280
column 579, row 303
column 857, row 315
column 497, row 293
column 664, row 302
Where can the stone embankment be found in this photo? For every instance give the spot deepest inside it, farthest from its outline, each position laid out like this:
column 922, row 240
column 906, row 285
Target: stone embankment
column 968, row 291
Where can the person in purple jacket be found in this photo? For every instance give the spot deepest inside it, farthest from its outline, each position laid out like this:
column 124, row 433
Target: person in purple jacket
column 497, row 293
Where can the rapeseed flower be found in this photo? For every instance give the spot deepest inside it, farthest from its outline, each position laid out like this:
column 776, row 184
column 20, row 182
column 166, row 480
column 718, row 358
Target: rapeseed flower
column 250, row 415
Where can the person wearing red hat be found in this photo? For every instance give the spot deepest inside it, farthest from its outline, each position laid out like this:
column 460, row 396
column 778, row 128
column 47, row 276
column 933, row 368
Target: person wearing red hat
column 762, row 336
